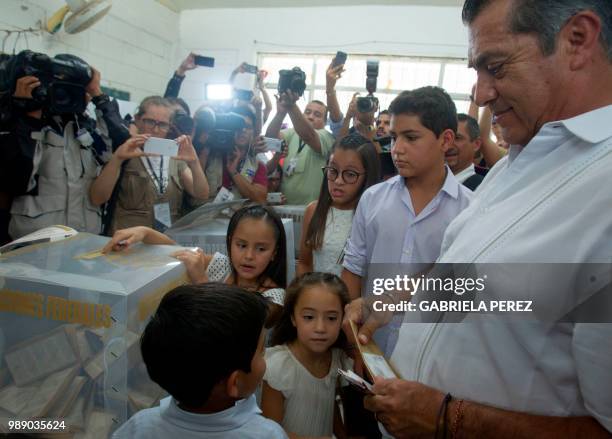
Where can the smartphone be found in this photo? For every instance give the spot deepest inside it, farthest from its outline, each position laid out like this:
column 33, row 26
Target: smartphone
column 204, row 61
column 339, row 59
column 159, row 146
column 250, row 68
column 273, row 144
column 274, row 197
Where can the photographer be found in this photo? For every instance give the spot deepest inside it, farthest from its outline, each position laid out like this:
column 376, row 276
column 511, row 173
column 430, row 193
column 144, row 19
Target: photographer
column 361, row 111
column 308, row 144
column 51, row 151
column 150, row 189
column 233, row 165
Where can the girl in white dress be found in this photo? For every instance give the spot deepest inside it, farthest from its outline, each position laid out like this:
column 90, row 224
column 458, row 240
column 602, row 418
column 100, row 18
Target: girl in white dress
column 353, row 167
column 301, row 378
column 257, row 250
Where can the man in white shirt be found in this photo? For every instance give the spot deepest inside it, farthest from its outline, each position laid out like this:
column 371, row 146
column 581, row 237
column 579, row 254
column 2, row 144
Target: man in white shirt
column 545, row 70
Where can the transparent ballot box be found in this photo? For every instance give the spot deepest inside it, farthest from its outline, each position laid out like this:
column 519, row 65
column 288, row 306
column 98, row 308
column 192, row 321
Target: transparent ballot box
column 70, row 322
column 296, row 213
column 209, row 232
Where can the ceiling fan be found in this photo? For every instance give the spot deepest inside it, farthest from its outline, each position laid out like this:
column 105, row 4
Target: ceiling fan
column 83, row 14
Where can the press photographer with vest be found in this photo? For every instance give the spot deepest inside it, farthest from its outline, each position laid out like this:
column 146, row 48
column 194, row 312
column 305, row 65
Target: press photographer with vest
column 51, row 150
column 150, row 188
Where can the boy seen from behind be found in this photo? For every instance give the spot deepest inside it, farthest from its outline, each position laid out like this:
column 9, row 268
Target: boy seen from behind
column 205, row 347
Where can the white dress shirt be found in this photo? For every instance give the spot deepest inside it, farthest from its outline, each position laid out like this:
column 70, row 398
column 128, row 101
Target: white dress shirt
column 466, row 173
column 550, row 201
column 386, row 232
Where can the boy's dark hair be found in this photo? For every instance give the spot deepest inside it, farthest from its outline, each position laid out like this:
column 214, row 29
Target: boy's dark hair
column 277, row 268
column 199, row 335
column 383, row 112
column 471, row 124
column 433, row 105
column 371, row 164
column 285, row 331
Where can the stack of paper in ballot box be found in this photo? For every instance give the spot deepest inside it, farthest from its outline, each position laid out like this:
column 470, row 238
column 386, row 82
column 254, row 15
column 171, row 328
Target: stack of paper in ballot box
column 206, row 227
column 71, row 319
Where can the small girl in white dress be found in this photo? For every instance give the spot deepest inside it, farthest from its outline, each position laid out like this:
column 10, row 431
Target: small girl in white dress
column 301, row 379
column 353, row 167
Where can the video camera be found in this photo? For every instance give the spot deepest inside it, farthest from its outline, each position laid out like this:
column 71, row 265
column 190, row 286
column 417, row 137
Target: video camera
column 294, row 80
column 369, row 103
column 63, row 79
column 220, row 127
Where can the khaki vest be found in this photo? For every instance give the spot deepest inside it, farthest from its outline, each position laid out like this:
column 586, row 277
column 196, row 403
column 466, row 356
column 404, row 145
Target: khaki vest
column 65, row 171
column 138, row 194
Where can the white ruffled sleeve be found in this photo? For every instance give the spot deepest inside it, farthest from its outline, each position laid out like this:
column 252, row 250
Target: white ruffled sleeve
column 219, row 268
column 276, row 295
column 281, row 370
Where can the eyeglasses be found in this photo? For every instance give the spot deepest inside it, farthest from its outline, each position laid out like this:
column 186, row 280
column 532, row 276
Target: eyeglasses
column 348, row 176
column 151, row 124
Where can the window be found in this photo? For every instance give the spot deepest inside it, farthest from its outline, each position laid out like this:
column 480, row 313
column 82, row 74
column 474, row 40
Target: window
column 395, row 74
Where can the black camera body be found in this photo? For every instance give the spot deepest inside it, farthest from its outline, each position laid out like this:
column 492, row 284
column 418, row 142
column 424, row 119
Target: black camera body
column 294, row 80
column 367, row 104
column 226, row 125
column 371, row 76
column 181, row 123
column 63, row 79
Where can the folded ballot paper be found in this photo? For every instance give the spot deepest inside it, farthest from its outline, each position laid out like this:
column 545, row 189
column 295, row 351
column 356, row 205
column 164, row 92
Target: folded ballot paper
column 375, row 364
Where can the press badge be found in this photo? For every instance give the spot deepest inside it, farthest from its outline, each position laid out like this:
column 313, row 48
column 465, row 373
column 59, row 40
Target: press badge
column 163, row 220
column 84, row 137
column 223, row 195
column 291, row 166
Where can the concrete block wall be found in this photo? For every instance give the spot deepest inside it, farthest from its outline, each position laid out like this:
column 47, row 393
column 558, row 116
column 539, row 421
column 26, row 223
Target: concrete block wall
column 135, row 46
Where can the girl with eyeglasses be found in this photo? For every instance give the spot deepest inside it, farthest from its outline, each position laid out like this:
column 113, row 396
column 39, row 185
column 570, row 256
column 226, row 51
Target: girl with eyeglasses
column 353, row 166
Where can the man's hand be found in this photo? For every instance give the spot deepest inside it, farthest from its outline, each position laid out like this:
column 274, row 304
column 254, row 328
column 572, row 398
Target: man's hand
column 93, row 88
column 187, row 64
column 186, row 151
column 405, row 408
column 261, row 75
column 25, row 85
column 286, row 100
column 332, row 75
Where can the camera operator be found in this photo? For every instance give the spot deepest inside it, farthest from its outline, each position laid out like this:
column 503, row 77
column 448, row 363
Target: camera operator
column 309, row 145
column 150, row 188
column 233, row 165
column 51, row 150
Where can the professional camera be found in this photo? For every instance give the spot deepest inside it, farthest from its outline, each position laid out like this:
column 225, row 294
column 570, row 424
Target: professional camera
column 371, row 76
column 294, row 80
column 181, row 123
column 222, row 136
column 367, row 104
column 63, row 79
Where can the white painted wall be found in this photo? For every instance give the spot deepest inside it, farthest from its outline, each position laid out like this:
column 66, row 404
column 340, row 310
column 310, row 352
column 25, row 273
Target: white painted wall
column 236, row 35
column 140, row 43
column 134, row 47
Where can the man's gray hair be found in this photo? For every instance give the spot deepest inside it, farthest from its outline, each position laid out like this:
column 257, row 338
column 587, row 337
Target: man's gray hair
column 546, row 18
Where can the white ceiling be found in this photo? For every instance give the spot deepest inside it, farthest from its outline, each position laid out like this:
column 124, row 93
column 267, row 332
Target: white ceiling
column 181, row 5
